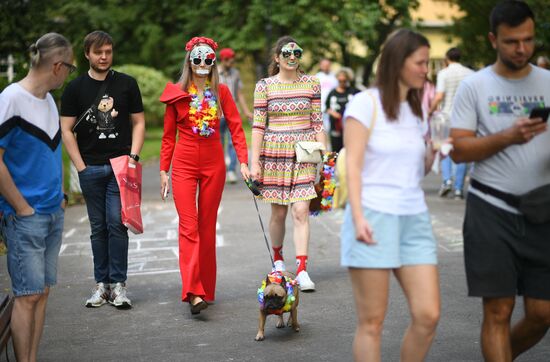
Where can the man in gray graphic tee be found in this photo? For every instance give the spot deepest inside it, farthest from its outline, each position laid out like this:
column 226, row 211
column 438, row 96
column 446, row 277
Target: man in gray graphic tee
column 506, row 253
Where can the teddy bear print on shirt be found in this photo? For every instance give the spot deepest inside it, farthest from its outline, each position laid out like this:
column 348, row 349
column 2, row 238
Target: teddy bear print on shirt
column 105, row 118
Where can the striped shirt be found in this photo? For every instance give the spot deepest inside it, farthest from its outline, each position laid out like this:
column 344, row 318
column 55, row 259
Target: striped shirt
column 292, row 106
column 448, row 80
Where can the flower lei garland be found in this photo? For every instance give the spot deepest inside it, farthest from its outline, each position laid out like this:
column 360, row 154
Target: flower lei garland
column 203, row 114
column 277, row 277
column 328, row 181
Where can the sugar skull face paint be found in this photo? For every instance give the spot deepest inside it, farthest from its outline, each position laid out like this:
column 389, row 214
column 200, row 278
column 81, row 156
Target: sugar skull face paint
column 291, row 49
column 200, row 54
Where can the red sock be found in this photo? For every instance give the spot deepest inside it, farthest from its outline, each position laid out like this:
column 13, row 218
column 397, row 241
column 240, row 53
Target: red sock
column 277, row 253
column 301, row 263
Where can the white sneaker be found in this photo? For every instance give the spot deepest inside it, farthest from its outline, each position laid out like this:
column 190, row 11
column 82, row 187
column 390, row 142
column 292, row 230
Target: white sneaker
column 119, row 298
column 231, row 177
column 279, row 266
column 100, row 296
column 305, row 283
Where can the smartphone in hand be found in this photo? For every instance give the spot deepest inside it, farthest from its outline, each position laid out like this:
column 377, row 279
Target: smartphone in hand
column 540, row 113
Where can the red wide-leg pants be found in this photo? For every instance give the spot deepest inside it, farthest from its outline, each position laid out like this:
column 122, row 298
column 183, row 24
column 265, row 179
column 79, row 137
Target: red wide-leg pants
column 198, row 178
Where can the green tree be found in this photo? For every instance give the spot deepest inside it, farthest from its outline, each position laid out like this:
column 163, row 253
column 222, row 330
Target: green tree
column 19, row 29
column 323, row 27
column 474, row 27
column 153, row 33
column 151, row 83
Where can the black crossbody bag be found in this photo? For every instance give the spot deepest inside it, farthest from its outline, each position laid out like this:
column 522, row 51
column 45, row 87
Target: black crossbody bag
column 90, row 114
column 534, row 205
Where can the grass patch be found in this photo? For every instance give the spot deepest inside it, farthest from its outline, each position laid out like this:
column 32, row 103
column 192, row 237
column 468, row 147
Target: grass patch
column 151, row 147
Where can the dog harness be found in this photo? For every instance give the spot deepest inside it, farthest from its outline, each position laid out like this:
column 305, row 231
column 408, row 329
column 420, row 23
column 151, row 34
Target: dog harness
column 278, row 277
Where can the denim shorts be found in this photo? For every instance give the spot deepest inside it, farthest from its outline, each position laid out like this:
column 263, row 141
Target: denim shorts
column 400, row 240
column 33, row 248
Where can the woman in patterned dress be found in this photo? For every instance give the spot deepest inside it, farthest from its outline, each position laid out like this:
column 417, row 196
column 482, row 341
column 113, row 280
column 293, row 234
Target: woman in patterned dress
column 287, row 109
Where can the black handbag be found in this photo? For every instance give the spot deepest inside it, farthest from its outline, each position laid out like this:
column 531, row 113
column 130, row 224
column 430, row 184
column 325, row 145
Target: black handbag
column 534, row 205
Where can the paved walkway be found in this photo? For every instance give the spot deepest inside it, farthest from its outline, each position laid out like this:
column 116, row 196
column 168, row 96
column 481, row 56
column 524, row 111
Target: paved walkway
column 160, row 327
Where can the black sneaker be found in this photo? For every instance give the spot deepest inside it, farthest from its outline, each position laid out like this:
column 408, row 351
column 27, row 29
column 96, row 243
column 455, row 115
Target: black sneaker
column 445, row 188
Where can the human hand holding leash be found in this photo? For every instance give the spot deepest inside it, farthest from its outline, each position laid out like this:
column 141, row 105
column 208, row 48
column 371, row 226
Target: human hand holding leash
column 245, row 172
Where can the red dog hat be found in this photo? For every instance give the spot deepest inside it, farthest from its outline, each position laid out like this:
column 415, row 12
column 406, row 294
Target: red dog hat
column 201, row 39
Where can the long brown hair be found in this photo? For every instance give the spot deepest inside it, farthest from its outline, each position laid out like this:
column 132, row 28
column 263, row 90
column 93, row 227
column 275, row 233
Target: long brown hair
column 396, row 49
column 187, row 77
column 276, row 50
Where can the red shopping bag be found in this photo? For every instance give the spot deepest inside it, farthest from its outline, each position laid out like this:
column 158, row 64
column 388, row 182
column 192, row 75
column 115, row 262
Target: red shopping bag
column 128, row 177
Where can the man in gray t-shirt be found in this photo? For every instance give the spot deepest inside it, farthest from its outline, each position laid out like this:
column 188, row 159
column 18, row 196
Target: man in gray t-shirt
column 505, row 254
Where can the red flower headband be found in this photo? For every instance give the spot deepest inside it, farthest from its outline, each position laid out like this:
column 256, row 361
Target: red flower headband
column 201, row 39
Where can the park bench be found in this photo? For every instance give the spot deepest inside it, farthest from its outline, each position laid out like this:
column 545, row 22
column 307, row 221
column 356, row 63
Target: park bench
column 6, row 305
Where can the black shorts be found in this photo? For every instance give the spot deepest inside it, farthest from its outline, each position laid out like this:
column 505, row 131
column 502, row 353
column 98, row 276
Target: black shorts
column 504, row 254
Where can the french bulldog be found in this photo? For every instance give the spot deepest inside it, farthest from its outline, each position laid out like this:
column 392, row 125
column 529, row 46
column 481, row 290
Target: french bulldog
column 274, row 301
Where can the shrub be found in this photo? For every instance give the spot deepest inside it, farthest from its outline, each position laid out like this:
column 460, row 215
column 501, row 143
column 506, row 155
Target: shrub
column 151, row 84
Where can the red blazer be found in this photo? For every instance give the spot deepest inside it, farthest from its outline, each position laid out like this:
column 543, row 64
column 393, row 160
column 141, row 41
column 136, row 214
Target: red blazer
column 176, row 120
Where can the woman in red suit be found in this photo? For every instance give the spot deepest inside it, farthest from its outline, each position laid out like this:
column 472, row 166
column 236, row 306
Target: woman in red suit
column 194, row 106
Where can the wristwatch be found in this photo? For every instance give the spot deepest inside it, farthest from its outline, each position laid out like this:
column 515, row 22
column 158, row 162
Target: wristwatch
column 134, row 157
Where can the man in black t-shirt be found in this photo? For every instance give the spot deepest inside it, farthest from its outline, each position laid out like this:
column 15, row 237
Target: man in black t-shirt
column 114, row 127
column 336, row 103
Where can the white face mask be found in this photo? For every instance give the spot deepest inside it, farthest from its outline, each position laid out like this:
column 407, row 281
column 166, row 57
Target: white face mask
column 202, row 54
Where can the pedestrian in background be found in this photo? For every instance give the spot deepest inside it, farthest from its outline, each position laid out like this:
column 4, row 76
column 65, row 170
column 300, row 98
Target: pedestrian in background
column 428, row 94
column 194, row 107
column 543, row 62
column 335, row 105
column 287, row 109
column 230, row 76
column 387, row 225
column 116, row 127
column 31, row 187
column 448, row 80
column 328, row 82
column 505, row 251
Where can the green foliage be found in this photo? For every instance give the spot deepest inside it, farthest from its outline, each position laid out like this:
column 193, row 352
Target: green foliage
column 151, row 84
column 474, row 27
column 154, row 33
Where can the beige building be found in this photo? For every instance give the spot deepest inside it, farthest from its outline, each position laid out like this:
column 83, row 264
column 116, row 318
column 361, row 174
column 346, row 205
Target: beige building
column 432, row 18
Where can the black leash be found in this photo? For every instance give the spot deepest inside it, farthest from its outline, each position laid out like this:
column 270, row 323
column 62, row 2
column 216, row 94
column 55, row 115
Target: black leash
column 263, row 231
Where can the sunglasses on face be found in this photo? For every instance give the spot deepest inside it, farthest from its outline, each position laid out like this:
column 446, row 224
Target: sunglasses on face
column 198, row 61
column 297, row 53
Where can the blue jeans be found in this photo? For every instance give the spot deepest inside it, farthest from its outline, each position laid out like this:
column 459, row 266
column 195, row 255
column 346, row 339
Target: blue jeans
column 109, row 236
column 230, row 149
column 33, row 249
column 447, row 166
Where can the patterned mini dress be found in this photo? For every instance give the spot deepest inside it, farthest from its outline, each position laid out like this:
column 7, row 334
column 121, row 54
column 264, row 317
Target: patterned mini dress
column 285, row 113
